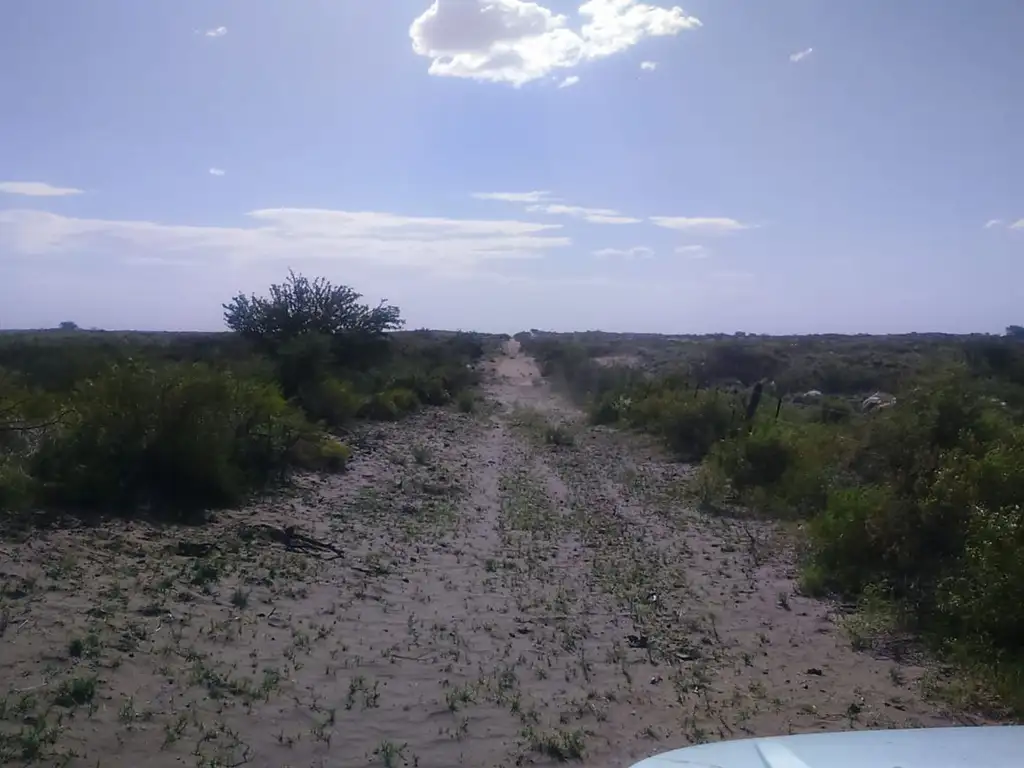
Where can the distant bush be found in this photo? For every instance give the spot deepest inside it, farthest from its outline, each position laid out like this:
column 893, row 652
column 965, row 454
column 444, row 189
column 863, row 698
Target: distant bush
column 690, row 421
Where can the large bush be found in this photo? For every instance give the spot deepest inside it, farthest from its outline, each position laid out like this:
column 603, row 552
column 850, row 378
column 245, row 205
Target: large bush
column 181, row 436
column 921, row 502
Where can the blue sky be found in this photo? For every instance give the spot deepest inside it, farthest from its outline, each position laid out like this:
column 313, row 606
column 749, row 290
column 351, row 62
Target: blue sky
column 772, row 166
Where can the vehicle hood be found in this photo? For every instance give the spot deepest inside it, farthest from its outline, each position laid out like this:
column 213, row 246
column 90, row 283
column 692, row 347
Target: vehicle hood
column 963, row 747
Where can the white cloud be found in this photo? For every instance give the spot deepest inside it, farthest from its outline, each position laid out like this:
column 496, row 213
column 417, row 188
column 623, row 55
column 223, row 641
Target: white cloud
column 513, row 197
column 650, row 66
column 593, row 215
column 800, row 55
column 216, row 32
column 517, row 41
column 569, row 81
column 693, row 251
column 636, row 252
column 217, row 171
column 710, row 225
column 287, row 234
column 1019, row 224
column 36, row 189
column 544, row 202
column 993, row 223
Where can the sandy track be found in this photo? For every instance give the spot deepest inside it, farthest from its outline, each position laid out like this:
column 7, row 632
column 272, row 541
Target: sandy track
column 501, row 600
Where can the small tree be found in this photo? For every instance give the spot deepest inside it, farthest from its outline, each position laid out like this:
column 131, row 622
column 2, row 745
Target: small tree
column 304, row 322
column 1015, row 331
column 300, row 306
column 68, row 325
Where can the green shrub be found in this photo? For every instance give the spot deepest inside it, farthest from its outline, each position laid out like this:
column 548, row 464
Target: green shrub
column 181, row 436
column 850, row 546
column 17, row 487
column 610, row 408
column 559, row 435
column 390, row 405
column 787, row 468
column 690, row 423
column 467, row 401
column 983, row 600
column 760, row 458
column 320, row 453
column 835, row 410
column 332, row 401
column 431, row 391
column 708, row 485
column 404, row 399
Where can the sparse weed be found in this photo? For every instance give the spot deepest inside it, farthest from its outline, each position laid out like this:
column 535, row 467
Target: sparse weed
column 76, row 692
column 561, row 745
column 421, row 455
column 559, row 435
column 389, row 754
column 240, row 598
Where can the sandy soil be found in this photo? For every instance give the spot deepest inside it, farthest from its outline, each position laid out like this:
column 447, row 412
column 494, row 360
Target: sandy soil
column 488, row 596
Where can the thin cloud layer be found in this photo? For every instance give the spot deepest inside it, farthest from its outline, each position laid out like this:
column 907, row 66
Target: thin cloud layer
column 287, row 233
column 516, row 41
column 636, row 252
column 993, row 223
column 514, row 197
column 800, row 55
column 709, row 225
column 217, row 171
column 36, row 189
column 648, row 66
column 569, row 81
column 544, row 202
column 592, row 215
column 215, row 32
column 693, row 251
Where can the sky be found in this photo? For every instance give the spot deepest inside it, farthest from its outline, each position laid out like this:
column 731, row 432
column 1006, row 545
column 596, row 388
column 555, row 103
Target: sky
column 768, row 166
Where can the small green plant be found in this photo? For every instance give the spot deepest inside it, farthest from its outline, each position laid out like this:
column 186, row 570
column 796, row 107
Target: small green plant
column 708, row 485
column 76, row 692
column 559, row 435
column 389, row 753
column 459, row 696
column 467, row 402
column 421, row 454
column 559, row 744
column 240, row 598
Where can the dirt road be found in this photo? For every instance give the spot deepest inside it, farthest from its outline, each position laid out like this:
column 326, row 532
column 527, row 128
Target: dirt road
column 514, row 588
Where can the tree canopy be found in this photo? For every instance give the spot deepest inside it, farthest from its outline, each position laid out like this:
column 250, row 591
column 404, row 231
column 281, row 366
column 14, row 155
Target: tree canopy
column 300, row 307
